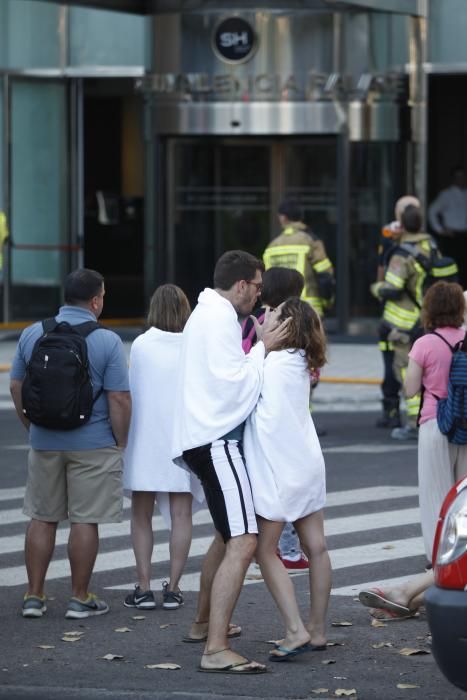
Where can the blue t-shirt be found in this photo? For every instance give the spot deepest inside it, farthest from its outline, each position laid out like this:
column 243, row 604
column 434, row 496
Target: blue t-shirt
column 109, row 370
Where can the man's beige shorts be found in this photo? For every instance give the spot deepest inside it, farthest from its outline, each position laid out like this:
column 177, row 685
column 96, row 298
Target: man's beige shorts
column 83, row 486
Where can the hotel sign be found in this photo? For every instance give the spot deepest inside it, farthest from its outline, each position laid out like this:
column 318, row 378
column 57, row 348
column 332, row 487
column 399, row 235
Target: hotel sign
column 234, row 40
column 271, row 87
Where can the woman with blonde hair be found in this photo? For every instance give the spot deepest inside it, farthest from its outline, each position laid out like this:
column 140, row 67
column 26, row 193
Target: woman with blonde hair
column 149, row 472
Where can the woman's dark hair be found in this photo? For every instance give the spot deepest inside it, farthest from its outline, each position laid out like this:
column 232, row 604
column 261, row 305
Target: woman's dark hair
column 305, row 332
column 233, row 266
column 280, row 283
column 82, row 285
column 169, row 309
column 443, row 305
column 411, row 219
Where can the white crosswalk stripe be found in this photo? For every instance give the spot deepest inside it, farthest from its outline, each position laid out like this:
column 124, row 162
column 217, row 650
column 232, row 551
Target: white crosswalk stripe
column 393, row 513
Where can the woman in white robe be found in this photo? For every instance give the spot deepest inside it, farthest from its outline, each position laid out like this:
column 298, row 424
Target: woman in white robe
column 286, row 469
column 149, row 472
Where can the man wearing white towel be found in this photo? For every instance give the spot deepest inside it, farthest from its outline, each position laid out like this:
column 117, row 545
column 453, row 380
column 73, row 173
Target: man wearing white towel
column 218, row 388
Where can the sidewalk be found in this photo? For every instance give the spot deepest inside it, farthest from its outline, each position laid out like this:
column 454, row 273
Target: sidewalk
column 345, row 360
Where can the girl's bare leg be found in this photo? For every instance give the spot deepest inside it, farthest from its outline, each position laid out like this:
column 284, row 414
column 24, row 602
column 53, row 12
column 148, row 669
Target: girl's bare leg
column 410, row 593
column 279, row 584
column 311, row 533
column 180, row 535
column 142, row 537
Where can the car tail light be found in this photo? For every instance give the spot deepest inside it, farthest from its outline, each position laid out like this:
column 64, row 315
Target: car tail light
column 450, row 548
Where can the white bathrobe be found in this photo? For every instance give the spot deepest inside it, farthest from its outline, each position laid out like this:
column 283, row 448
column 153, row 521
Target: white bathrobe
column 218, row 384
column 282, row 451
column 148, row 465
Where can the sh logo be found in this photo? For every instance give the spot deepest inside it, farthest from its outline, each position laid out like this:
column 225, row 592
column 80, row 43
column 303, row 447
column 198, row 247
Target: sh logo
column 229, row 39
column 234, row 40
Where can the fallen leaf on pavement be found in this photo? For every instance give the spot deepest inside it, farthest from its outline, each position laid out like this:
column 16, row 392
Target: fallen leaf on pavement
column 326, row 662
column 406, row 651
column 138, row 617
column 273, row 641
column 71, row 639
column 378, row 623
column 340, row 678
column 380, row 645
column 45, row 646
column 388, row 546
column 405, row 686
column 122, row 629
column 164, row 627
column 254, row 577
column 320, row 691
column 345, row 691
column 168, row 666
column 335, row 644
column 73, row 633
column 342, row 623
column 112, row 657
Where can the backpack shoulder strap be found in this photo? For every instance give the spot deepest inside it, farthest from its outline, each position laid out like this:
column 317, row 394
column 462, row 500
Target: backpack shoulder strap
column 49, row 324
column 452, row 348
column 86, row 328
column 463, row 343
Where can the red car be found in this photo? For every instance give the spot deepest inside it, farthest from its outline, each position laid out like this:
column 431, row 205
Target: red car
column 446, row 601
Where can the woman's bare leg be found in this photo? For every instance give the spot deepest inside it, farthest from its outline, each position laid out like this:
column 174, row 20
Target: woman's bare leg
column 180, row 535
column 142, row 537
column 279, row 584
column 410, row 593
column 311, row 533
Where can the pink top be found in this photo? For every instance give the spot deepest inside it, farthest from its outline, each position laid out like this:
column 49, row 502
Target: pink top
column 434, row 357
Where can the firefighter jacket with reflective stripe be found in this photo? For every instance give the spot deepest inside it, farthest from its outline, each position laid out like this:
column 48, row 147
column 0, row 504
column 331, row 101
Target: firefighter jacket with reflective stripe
column 3, row 236
column 402, row 288
column 299, row 249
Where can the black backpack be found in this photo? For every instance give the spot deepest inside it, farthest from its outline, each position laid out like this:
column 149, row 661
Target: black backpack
column 437, row 267
column 57, row 391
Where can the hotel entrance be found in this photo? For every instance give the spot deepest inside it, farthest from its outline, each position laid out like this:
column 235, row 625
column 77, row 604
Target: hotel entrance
column 224, row 194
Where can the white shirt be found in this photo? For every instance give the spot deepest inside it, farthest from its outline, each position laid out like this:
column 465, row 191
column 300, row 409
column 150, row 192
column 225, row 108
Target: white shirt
column 451, row 204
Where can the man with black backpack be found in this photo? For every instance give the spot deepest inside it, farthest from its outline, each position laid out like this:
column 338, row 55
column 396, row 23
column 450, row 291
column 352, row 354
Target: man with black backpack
column 69, row 383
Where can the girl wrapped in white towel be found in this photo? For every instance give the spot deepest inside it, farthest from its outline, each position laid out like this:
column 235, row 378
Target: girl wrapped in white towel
column 286, row 469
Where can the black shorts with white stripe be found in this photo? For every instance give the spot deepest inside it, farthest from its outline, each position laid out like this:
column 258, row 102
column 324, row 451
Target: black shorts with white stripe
column 220, row 467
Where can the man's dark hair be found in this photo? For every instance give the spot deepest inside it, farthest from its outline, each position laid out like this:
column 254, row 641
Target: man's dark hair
column 280, row 283
column 82, row 285
column 411, row 219
column 291, row 209
column 233, row 266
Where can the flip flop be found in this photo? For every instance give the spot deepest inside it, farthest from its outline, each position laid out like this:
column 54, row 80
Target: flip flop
column 288, row 654
column 375, row 598
column 235, row 670
column 234, row 631
column 391, row 615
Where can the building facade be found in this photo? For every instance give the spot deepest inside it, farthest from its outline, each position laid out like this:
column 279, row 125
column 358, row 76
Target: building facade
column 144, row 145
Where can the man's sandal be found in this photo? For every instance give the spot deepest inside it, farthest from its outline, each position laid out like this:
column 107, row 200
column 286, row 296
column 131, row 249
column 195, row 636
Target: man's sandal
column 234, row 631
column 242, row 668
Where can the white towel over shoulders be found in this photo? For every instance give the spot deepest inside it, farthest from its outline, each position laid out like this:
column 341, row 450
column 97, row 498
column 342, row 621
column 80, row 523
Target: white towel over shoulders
column 282, row 451
column 218, row 384
column 148, row 465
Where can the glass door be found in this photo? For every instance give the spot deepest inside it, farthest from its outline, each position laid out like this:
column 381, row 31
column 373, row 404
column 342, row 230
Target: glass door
column 219, row 198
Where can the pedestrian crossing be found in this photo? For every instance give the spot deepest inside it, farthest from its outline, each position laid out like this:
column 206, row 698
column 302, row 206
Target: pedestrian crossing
column 370, row 514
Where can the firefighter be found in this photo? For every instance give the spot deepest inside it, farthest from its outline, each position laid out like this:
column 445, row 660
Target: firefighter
column 402, row 294
column 390, row 386
column 298, row 248
column 3, row 236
